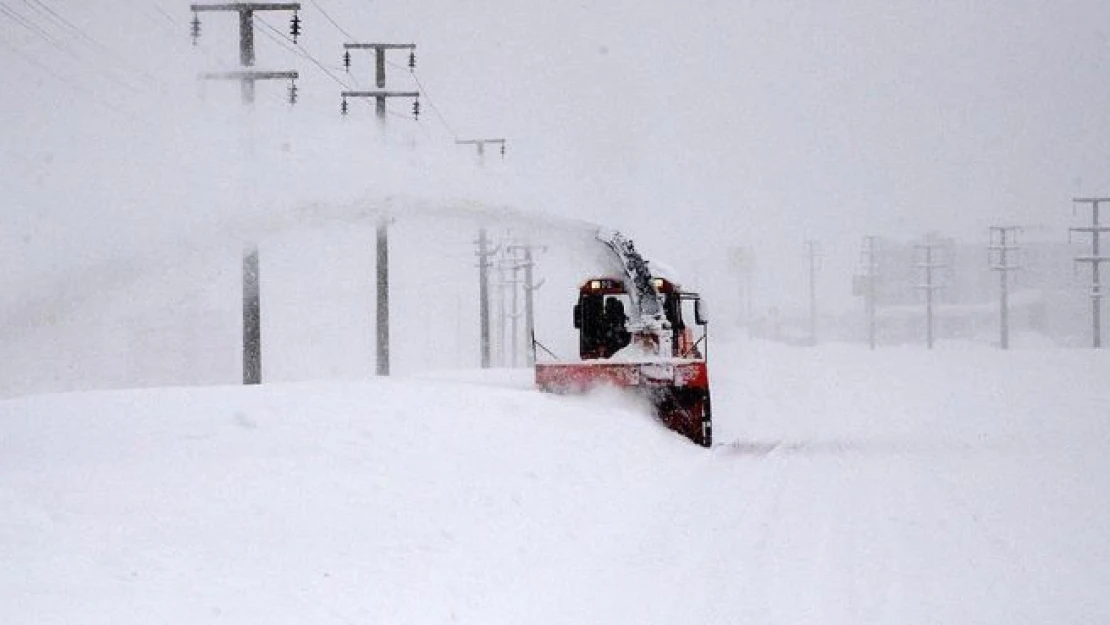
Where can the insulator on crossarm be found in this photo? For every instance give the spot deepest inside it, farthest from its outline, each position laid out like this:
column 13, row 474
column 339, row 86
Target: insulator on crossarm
column 416, row 109
column 412, row 60
column 292, row 93
column 343, row 108
column 502, row 149
column 195, row 30
column 347, row 61
column 295, row 27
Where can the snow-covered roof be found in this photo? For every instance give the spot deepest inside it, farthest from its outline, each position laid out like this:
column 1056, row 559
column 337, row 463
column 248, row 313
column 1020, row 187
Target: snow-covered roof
column 665, row 271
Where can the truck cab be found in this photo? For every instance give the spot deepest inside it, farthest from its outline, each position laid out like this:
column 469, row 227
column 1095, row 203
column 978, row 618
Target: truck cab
column 603, row 324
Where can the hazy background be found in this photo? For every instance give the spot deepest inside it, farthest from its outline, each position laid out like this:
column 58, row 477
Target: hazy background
column 692, row 126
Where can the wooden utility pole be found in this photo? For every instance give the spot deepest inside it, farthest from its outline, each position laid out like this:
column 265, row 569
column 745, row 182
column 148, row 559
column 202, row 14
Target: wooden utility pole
column 481, row 144
column 484, row 254
column 811, row 253
column 505, row 265
column 1095, row 259
column 514, row 343
column 1003, row 239
column 252, row 300
column 246, row 11
column 530, row 286
column 930, row 265
column 380, row 96
column 865, row 283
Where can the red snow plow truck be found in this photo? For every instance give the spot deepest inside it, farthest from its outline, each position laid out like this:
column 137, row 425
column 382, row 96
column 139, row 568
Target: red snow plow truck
column 640, row 332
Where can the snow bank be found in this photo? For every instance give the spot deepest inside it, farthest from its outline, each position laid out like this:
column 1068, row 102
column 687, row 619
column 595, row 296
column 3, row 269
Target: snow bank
column 849, row 487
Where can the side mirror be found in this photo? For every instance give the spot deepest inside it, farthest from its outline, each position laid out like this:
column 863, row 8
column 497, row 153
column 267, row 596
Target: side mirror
column 577, row 316
column 699, row 313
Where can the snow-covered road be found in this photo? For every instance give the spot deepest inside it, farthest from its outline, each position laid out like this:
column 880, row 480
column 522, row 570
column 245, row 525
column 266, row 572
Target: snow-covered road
column 900, row 486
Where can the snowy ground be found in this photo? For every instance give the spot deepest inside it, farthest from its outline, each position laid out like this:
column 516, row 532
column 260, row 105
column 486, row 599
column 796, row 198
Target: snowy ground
column 900, row 486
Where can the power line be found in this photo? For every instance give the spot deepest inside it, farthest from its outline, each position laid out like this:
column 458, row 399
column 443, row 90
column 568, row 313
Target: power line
column 424, row 92
column 407, row 117
column 34, row 28
column 168, row 17
column 333, row 22
column 61, row 46
column 171, row 28
column 394, row 113
column 77, row 83
column 432, row 104
column 44, row 10
column 285, row 43
column 66, row 82
column 104, row 52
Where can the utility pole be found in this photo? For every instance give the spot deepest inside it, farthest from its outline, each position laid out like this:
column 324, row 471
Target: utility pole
column 246, row 11
column 500, row 334
column 505, row 264
column 481, row 145
column 382, row 255
column 252, row 299
column 381, row 95
column 1096, row 259
column 1003, row 242
column 811, row 252
column 530, row 286
column 930, row 265
column 506, row 315
column 484, row 255
column 514, row 345
column 865, row 282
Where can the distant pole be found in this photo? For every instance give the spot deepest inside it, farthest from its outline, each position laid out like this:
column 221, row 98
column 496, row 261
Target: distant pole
column 251, row 290
column 871, row 302
column 1095, row 259
column 530, row 286
column 529, row 306
column 749, row 299
column 507, row 302
column 930, row 265
column 502, row 283
column 811, row 252
column 1003, row 239
column 481, row 144
column 515, row 316
column 866, row 281
column 484, row 255
column 929, row 293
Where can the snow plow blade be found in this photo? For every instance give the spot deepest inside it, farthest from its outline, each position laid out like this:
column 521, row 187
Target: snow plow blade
column 678, row 390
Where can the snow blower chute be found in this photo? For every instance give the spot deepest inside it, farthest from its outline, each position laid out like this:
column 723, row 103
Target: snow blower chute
column 636, row 331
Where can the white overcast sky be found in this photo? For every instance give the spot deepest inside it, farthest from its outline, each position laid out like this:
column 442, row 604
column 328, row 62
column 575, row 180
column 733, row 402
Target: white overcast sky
column 694, row 125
